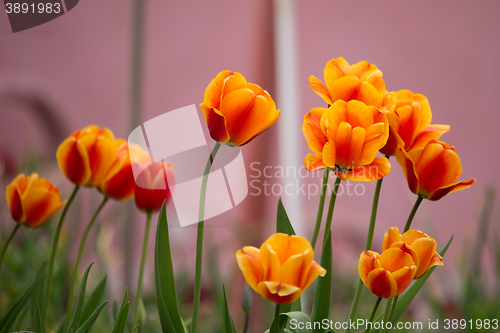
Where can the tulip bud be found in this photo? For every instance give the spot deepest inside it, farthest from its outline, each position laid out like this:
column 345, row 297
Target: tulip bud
column 247, row 299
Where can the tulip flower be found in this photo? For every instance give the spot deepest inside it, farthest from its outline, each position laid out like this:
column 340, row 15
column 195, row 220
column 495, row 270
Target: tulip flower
column 432, row 171
column 32, row 200
column 119, row 183
column 420, row 246
column 281, row 269
column 151, row 186
column 235, row 110
column 410, row 122
column 346, row 137
column 387, row 274
column 361, row 81
column 86, row 156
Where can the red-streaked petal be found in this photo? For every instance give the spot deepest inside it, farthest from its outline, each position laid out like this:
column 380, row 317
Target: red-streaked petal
column 458, row 186
column 312, row 130
column 403, row 277
column 249, row 262
column 407, row 165
column 379, row 168
column 390, row 237
column 382, row 283
column 431, row 132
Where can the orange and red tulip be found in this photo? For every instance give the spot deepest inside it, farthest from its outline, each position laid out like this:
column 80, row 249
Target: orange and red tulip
column 152, row 186
column 361, row 81
column 236, row 111
column 410, row 122
column 387, row 274
column 432, row 171
column 119, row 182
column 32, row 200
column 420, row 246
column 346, row 137
column 281, row 269
column 86, row 156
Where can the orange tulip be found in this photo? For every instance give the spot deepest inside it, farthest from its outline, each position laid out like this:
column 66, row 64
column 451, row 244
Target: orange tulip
column 32, row 200
column 361, row 81
column 432, row 171
column 420, row 246
column 410, row 122
column 86, row 156
column 151, row 186
column 281, row 269
column 346, row 137
column 119, row 183
column 386, row 275
column 235, row 110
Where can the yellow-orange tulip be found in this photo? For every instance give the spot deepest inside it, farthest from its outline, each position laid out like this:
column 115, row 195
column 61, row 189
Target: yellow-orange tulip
column 432, row 172
column 236, row 111
column 361, row 81
column 281, row 269
column 32, row 200
column 387, row 274
column 410, row 122
column 86, row 156
column 346, row 137
column 420, row 246
column 119, row 182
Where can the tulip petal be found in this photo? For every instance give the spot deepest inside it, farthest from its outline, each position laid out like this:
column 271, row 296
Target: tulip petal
column 379, row 168
column 329, row 154
column 342, row 145
column 407, row 165
column 368, row 94
column 359, row 68
column 42, row 201
column 431, row 132
column 333, row 117
column 293, row 271
column 249, row 262
column 394, row 259
column 286, row 246
column 213, row 91
column 368, row 261
column 335, row 69
column 412, row 235
column 232, row 83
column 318, row 87
column 14, row 202
column 73, row 161
column 457, row 186
column 279, row 288
column 313, row 162
column 390, row 237
column 101, row 158
column 216, row 123
column 270, row 263
column 425, row 249
column 264, row 291
column 405, row 248
column 382, row 283
column 403, row 277
column 312, row 130
column 344, row 88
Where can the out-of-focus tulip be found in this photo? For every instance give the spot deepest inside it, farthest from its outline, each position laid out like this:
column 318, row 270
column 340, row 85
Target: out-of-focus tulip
column 281, row 269
column 235, row 110
column 432, row 172
column 387, row 274
column 86, row 156
column 410, row 122
column 346, row 137
column 32, row 200
column 420, row 246
column 152, row 186
column 119, row 183
column 361, row 81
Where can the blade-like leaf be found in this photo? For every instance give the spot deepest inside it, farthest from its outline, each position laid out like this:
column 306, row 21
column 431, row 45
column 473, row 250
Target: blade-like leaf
column 168, row 308
column 323, row 291
column 94, row 299
column 36, row 300
column 298, row 324
column 77, row 311
column 38, row 320
column 93, row 317
column 121, row 317
column 10, row 317
column 228, row 324
column 283, row 224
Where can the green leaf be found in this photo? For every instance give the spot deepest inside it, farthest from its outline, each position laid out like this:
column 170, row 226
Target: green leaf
column 94, row 299
column 283, row 224
column 77, row 312
column 168, row 308
column 228, row 324
column 323, row 291
column 408, row 296
column 297, row 317
column 121, row 318
column 38, row 320
column 36, row 300
column 93, row 317
column 10, row 317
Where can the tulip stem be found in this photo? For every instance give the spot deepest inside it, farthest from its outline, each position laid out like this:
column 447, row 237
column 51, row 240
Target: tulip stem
column 375, row 307
column 53, row 255
column 247, row 321
column 199, row 239
column 321, row 207
column 275, row 326
column 74, row 277
column 412, row 213
column 138, row 293
column 392, row 312
column 387, row 311
column 8, row 242
column 329, row 217
column 355, row 303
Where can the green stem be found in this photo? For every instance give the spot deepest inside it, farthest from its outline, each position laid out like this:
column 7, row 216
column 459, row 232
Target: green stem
column 53, row 254
column 392, row 311
column 375, row 307
column 355, row 303
column 8, row 242
column 77, row 262
column 247, row 321
column 321, row 207
column 412, row 214
column 387, row 311
column 138, row 293
column 275, row 326
column 331, row 207
column 199, row 239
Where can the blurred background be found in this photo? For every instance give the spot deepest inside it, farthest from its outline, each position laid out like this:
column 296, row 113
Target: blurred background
column 79, row 70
